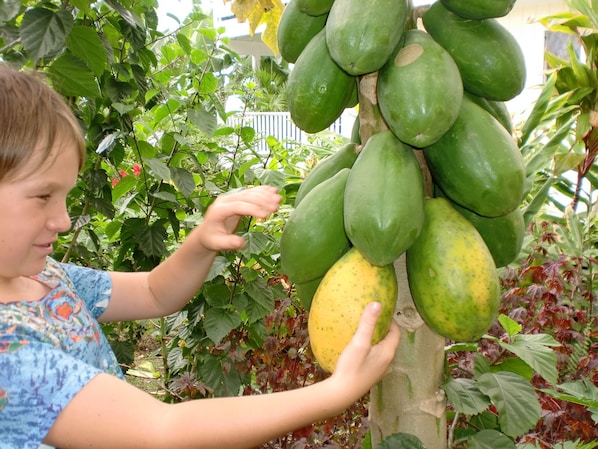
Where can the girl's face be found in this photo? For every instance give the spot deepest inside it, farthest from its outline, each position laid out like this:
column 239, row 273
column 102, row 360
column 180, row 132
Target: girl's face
column 33, row 212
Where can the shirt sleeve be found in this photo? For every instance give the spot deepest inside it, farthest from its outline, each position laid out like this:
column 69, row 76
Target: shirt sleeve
column 93, row 286
column 37, row 381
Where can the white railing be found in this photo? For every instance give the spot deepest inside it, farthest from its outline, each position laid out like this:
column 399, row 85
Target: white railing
column 280, row 126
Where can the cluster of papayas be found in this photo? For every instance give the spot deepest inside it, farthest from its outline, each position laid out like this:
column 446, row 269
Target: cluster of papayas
column 441, row 91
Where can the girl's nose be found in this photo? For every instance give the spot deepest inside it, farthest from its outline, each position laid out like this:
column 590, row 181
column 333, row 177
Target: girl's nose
column 60, row 221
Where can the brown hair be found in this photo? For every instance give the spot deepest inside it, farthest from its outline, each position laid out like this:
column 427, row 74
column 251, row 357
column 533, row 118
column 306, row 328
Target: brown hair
column 34, row 120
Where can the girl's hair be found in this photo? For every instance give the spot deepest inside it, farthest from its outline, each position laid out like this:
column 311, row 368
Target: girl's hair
column 34, row 121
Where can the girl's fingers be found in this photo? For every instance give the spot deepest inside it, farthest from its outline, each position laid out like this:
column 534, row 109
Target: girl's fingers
column 367, row 324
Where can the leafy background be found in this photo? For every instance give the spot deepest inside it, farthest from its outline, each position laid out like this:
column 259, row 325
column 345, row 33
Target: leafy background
column 160, row 149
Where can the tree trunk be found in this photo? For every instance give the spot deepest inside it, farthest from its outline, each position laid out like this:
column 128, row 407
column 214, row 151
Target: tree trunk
column 409, row 398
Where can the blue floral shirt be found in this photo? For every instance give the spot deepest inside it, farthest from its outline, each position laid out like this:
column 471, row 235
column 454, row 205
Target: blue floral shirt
column 49, row 350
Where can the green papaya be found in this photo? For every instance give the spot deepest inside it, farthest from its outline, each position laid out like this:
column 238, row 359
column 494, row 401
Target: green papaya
column 315, row 7
column 317, row 88
column 356, row 131
column 451, row 274
column 296, row 29
column 344, row 157
column 498, row 109
column 361, row 37
column 313, row 237
column 503, row 235
column 488, row 56
column 420, row 90
column 477, row 164
column 306, row 291
column 384, row 199
column 479, row 9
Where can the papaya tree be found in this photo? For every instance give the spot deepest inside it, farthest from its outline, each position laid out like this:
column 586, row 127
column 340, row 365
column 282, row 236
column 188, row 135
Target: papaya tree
column 440, row 91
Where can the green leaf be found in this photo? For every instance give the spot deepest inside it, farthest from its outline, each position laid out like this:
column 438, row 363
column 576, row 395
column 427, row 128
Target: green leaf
column 217, row 295
column 535, row 351
column 548, row 150
column 218, row 323
column 565, row 162
column 84, row 43
column 9, row 10
column 515, row 400
column 481, row 365
column 263, row 300
column 218, row 267
column 248, row 135
column 158, row 168
column 151, row 239
column 166, row 196
column 125, row 186
column 581, row 392
column 538, row 110
column 511, row 326
column 401, row 441
column 588, row 8
column 130, row 17
column 44, row 32
column 514, row 365
column 257, row 243
column 209, row 84
column 465, row 396
column 490, row 439
column 538, row 201
column 183, row 180
column 220, row 375
column 72, row 78
column 204, row 120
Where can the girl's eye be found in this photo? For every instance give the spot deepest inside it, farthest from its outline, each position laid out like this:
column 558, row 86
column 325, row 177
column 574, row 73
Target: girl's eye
column 44, row 197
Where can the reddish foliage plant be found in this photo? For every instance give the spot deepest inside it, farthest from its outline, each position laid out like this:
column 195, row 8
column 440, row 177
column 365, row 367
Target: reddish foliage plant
column 551, row 293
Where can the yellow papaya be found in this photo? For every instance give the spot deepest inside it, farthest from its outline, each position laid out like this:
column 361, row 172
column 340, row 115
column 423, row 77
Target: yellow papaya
column 344, row 292
column 452, row 276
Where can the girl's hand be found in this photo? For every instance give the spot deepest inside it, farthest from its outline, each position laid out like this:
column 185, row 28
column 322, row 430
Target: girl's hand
column 361, row 365
column 223, row 215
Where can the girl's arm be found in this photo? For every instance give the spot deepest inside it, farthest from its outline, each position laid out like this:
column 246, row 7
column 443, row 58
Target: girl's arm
column 109, row 413
column 169, row 286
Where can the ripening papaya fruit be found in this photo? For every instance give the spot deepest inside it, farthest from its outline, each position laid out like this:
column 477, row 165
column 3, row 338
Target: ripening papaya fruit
column 503, row 235
column 361, row 37
column 384, row 198
column 315, row 7
column 313, row 237
column 296, row 29
column 488, row 56
column 318, row 90
column 451, row 273
column 420, row 90
column 477, row 164
column 479, row 9
column 344, row 157
column 346, row 289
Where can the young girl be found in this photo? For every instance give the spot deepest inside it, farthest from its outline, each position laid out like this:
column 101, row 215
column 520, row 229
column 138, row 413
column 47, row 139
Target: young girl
column 60, row 383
